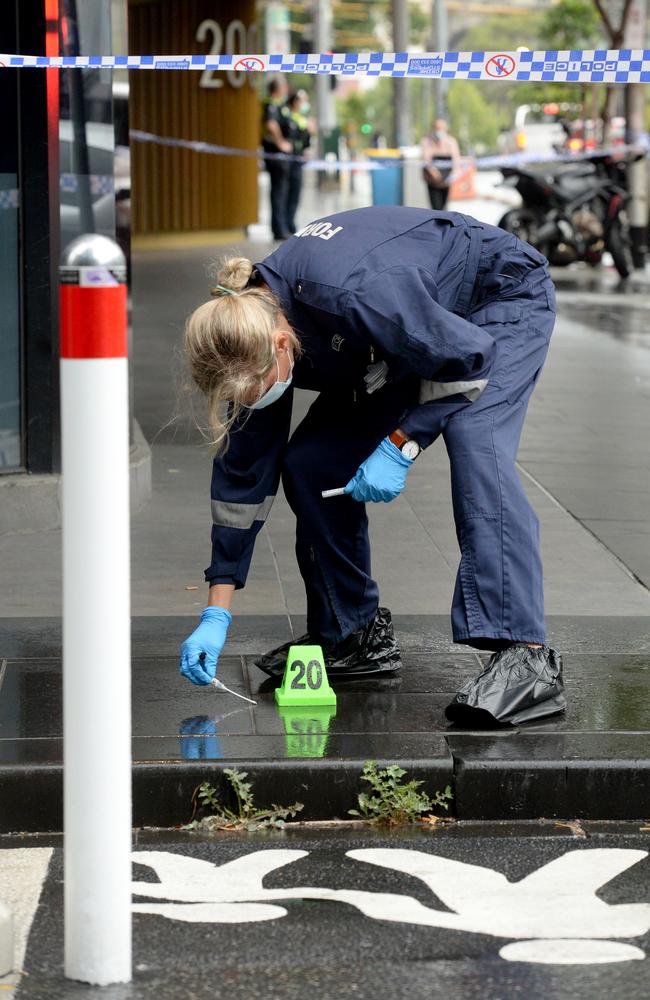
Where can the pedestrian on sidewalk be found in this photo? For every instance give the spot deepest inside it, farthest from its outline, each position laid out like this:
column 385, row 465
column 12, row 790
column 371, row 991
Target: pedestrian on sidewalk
column 411, row 324
column 441, row 155
column 297, row 110
column 275, row 140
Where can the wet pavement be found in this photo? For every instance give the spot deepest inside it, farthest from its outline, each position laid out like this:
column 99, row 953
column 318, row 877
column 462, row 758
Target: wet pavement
column 593, row 762
column 463, row 911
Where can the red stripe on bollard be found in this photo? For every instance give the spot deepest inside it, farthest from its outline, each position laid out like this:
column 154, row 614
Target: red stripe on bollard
column 93, row 322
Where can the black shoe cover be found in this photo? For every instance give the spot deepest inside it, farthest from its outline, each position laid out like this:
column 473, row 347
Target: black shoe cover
column 273, row 662
column 370, row 651
column 519, row 684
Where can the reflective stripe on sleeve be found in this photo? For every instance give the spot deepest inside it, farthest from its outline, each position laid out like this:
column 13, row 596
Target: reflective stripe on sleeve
column 430, row 390
column 227, row 514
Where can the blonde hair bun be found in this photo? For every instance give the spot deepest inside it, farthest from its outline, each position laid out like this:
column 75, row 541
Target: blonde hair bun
column 234, row 273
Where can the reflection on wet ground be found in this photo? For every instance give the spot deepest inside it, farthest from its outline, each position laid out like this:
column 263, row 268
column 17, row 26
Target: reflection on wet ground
column 598, row 318
column 593, row 300
column 599, row 280
column 172, row 720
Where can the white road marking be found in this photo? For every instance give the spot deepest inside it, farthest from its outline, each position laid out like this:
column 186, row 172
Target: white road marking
column 567, row 952
column 557, row 900
column 22, row 873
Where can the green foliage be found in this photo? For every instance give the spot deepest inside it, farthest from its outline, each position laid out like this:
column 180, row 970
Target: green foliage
column 373, row 106
column 571, row 24
column 392, row 801
column 472, row 119
column 245, row 816
column 501, row 34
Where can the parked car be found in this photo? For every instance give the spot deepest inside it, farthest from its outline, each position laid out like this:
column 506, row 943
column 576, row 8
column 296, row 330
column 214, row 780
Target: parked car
column 537, row 128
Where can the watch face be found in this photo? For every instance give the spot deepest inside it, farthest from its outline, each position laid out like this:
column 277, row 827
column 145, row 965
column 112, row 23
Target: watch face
column 411, row 449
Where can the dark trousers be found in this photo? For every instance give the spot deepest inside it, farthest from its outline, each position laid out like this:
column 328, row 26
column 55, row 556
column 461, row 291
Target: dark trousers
column 293, row 196
column 499, row 590
column 279, row 177
column 438, row 197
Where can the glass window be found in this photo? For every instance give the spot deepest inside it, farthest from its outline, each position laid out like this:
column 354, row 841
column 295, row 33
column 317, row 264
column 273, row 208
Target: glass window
column 86, row 130
column 10, row 340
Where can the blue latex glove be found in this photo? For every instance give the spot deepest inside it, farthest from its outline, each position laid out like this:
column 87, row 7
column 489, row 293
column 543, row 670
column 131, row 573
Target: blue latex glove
column 208, row 638
column 382, row 476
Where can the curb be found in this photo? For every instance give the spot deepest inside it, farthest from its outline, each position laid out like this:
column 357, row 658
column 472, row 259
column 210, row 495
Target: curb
column 524, row 789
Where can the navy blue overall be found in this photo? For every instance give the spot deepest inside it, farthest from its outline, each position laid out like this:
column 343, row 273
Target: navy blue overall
column 460, row 314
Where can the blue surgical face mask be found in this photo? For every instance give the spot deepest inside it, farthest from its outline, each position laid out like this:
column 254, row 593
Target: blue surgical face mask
column 273, row 394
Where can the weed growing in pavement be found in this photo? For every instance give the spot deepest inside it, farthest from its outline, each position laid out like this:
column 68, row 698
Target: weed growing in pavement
column 246, row 815
column 392, row 801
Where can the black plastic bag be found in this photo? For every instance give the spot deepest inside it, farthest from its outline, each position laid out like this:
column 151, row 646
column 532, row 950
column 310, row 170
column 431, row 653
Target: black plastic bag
column 519, row 684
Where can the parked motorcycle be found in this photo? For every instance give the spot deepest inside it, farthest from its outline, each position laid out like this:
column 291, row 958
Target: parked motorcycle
column 573, row 215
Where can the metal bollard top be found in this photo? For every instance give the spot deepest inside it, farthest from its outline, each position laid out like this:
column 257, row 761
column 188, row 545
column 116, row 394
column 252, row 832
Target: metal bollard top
column 92, row 250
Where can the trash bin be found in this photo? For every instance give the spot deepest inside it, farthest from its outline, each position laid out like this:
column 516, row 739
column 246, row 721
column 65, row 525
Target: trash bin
column 387, row 182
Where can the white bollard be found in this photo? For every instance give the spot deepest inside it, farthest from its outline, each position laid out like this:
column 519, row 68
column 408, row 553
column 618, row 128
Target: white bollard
column 6, row 941
column 96, row 612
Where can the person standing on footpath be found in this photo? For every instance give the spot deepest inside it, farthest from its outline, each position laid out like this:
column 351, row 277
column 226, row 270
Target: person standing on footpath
column 296, row 111
column 412, row 325
column 443, row 148
column 275, row 139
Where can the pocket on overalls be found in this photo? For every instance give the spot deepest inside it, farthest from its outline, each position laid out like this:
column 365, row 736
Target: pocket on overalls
column 501, row 320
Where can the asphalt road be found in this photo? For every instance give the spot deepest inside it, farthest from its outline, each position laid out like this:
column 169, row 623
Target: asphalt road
column 498, row 912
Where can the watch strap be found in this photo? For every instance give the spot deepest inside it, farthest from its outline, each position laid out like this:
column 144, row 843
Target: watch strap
column 398, row 438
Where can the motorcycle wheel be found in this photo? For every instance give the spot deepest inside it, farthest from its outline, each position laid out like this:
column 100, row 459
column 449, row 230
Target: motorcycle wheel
column 521, row 222
column 618, row 245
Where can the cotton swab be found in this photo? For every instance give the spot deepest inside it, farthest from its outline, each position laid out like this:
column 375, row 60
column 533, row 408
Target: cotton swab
column 333, row 493
column 220, row 686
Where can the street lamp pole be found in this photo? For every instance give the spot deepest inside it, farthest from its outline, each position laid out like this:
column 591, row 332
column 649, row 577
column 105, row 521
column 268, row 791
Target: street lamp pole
column 325, row 112
column 402, row 122
column 441, row 39
column 635, row 32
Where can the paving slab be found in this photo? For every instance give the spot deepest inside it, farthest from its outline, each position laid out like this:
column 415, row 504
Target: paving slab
column 594, row 761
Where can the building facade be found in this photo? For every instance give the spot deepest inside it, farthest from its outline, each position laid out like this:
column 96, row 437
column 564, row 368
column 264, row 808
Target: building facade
column 67, row 167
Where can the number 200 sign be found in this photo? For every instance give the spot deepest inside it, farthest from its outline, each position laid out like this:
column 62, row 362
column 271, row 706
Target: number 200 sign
column 238, row 38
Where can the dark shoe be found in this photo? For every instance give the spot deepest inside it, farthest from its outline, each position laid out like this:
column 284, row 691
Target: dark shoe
column 519, row 684
column 367, row 652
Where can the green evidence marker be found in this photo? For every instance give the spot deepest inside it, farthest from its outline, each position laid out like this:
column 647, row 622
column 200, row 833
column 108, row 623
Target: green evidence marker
column 305, row 680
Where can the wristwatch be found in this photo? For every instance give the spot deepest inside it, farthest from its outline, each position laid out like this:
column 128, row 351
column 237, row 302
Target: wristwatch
column 408, row 447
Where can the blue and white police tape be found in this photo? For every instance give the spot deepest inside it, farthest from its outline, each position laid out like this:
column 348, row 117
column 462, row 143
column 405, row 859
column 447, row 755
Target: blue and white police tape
column 198, row 146
column 102, row 184
column 558, row 65
column 481, row 163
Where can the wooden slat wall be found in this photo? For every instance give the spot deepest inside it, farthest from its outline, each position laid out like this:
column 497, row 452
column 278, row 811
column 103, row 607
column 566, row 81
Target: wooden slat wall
column 176, row 189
